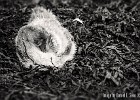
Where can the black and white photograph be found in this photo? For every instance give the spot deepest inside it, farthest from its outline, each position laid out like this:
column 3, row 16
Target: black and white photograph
column 69, row 49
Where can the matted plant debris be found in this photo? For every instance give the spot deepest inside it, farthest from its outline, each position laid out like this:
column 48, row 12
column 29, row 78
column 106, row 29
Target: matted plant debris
column 107, row 61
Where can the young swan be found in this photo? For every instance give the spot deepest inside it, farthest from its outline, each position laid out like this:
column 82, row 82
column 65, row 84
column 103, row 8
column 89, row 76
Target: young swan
column 44, row 41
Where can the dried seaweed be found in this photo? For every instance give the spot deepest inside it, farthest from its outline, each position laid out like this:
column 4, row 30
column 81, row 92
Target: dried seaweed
column 107, row 58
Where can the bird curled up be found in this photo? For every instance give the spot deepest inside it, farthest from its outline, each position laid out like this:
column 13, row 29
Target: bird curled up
column 44, row 41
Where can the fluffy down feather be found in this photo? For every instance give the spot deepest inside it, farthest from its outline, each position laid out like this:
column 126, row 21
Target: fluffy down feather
column 44, row 41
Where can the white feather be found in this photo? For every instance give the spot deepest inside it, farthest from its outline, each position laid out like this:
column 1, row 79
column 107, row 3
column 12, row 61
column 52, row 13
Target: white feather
column 44, row 21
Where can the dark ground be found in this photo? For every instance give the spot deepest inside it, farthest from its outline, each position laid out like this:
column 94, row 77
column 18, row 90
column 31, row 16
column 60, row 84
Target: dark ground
column 107, row 59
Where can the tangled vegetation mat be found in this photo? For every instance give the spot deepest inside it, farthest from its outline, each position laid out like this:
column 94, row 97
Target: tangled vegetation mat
column 107, row 62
